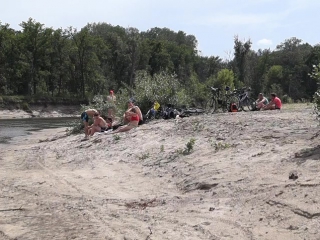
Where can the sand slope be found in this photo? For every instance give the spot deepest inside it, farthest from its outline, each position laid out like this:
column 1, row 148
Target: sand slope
column 234, row 184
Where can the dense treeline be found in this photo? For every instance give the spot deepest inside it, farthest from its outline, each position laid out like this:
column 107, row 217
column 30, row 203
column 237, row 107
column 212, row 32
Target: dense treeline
column 71, row 63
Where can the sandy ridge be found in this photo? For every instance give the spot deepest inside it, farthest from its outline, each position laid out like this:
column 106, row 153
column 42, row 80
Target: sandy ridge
column 233, row 185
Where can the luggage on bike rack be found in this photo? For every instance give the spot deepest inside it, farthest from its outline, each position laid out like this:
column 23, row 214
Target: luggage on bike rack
column 233, row 107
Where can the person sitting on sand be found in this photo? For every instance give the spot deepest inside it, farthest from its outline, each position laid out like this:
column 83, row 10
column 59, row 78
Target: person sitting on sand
column 155, row 109
column 132, row 114
column 261, row 102
column 99, row 125
column 131, row 105
column 85, row 118
column 274, row 104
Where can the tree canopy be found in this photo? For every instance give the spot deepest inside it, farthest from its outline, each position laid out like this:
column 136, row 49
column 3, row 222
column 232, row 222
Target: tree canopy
column 42, row 61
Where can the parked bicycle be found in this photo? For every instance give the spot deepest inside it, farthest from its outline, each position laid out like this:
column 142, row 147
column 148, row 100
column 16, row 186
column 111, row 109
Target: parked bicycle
column 245, row 101
column 221, row 100
column 149, row 116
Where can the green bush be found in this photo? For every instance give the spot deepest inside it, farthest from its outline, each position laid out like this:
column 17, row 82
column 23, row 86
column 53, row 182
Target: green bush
column 75, row 127
column 287, row 99
column 12, row 99
column 224, row 78
column 196, row 94
column 162, row 87
column 189, row 146
column 25, row 107
column 315, row 74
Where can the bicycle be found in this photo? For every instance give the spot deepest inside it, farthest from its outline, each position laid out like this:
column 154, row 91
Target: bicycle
column 149, row 116
column 245, row 101
column 219, row 100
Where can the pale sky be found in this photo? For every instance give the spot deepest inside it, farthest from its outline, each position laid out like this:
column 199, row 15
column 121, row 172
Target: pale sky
column 213, row 22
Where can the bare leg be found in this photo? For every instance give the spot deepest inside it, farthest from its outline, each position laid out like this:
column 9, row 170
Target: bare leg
column 269, row 107
column 86, row 129
column 125, row 119
column 123, row 129
column 94, row 129
column 260, row 105
column 111, row 113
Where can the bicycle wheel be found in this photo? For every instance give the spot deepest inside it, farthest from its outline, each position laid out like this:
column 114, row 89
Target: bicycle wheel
column 211, row 105
column 248, row 104
column 225, row 106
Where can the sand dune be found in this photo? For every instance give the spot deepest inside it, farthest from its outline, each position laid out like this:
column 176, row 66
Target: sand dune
column 144, row 184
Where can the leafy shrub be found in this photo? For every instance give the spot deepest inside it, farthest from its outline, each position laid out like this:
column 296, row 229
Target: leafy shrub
column 162, row 87
column 224, row 78
column 196, row 92
column 287, row 99
column 315, row 74
column 25, row 107
column 189, row 146
column 75, row 127
column 12, row 99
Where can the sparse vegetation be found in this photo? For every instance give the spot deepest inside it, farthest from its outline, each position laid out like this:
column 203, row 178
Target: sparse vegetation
column 144, row 156
column 161, row 148
column 220, row 145
column 75, row 127
column 315, row 74
column 116, row 137
column 197, row 126
column 189, row 146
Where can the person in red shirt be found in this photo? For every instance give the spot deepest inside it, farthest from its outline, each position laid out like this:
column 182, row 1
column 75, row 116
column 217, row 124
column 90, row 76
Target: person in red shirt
column 274, row 104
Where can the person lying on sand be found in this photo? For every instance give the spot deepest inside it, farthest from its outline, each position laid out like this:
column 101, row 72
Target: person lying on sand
column 274, row 104
column 85, row 118
column 133, row 123
column 126, row 117
column 99, row 125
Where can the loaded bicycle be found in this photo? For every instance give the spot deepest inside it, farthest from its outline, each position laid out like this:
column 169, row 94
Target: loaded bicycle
column 245, row 101
column 239, row 98
column 221, row 100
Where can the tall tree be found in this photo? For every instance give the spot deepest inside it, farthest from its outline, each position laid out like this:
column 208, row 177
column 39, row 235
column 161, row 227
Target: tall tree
column 133, row 50
column 241, row 51
column 34, row 46
column 87, row 62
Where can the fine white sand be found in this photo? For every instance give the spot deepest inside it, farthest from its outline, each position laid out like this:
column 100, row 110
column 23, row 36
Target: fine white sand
column 233, row 184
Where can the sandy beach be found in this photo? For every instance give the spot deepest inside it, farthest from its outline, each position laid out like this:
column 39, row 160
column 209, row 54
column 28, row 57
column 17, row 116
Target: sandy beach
column 249, row 175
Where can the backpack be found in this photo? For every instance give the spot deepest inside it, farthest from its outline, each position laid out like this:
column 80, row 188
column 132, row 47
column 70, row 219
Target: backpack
column 233, row 107
column 168, row 113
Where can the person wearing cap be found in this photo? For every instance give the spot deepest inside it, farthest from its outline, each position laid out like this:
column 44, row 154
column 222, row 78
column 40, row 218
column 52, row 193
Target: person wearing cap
column 112, row 105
